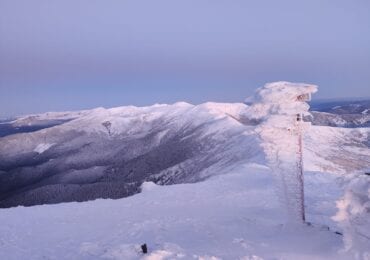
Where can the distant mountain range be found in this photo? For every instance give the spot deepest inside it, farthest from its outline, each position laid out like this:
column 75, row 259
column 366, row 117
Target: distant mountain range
column 341, row 106
column 109, row 153
column 347, row 113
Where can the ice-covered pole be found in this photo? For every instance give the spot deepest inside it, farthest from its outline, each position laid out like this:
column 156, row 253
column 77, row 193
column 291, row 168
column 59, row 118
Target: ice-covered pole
column 300, row 167
column 279, row 108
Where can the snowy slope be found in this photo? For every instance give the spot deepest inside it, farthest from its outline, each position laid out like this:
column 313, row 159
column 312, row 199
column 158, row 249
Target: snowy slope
column 110, row 152
column 233, row 216
column 337, row 150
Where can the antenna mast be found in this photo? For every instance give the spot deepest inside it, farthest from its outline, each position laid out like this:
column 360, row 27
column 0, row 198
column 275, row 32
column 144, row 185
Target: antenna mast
column 281, row 106
column 300, row 169
column 300, row 164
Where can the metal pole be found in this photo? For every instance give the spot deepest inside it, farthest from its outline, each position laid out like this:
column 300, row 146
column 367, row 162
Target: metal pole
column 300, row 165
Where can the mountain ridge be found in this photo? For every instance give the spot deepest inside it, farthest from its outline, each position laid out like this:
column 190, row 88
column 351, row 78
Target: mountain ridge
column 109, row 152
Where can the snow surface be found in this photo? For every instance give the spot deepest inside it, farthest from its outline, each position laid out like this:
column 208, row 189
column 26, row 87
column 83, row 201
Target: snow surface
column 42, row 147
column 233, row 216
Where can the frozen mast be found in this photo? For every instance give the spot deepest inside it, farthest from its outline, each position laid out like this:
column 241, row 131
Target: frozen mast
column 280, row 107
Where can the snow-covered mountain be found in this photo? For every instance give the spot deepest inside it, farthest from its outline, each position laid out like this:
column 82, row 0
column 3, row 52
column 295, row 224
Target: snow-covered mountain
column 109, row 153
column 234, row 173
column 341, row 113
column 342, row 107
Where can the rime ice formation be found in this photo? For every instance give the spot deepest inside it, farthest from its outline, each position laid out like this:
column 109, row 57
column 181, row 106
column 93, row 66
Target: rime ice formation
column 279, row 98
column 276, row 106
column 354, row 216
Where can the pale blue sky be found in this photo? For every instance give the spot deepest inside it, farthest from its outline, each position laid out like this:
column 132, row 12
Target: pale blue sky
column 77, row 54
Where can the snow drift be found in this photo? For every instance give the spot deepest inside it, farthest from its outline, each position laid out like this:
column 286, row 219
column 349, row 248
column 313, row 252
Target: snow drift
column 354, row 215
